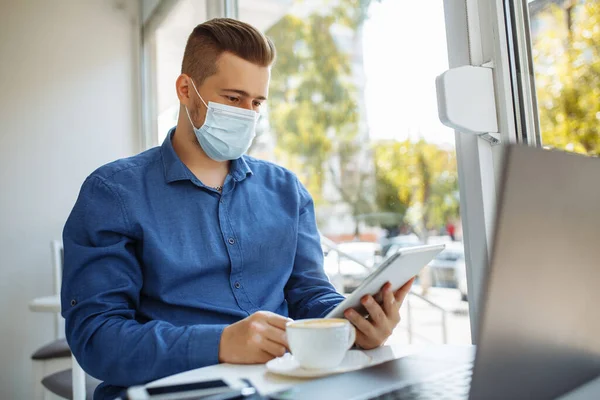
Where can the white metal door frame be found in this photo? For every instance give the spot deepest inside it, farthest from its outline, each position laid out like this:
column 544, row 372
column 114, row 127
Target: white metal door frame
column 476, row 34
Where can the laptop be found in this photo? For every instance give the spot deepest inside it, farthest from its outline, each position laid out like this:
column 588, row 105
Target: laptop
column 539, row 334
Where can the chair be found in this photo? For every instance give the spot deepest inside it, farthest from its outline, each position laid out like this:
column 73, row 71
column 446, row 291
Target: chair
column 61, row 384
column 48, row 359
column 56, row 355
column 52, row 361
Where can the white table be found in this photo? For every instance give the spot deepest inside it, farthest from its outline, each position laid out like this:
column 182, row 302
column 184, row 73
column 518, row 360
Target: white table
column 48, row 304
column 265, row 382
column 268, row 383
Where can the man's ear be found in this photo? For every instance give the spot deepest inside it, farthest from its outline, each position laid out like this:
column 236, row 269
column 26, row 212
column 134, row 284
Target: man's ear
column 183, row 88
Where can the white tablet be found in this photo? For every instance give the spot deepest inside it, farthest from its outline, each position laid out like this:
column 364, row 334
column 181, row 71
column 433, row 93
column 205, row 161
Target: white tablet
column 397, row 269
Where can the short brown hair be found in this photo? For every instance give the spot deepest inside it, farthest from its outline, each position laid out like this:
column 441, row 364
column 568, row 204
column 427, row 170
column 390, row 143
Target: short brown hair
column 212, row 38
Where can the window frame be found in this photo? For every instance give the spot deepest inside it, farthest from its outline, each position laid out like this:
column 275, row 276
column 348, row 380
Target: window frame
column 498, row 34
column 518, row 31
column 477, row 34
column 157, row 11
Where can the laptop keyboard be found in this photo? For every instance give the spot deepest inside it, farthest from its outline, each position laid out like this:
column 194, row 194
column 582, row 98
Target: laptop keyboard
column 453, row 385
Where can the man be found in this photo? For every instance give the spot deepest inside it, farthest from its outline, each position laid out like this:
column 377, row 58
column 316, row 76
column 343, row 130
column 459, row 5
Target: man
column 192, row 253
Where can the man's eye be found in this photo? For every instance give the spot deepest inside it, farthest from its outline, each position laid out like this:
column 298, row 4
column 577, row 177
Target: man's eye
column 233, row 99
column 257, row 104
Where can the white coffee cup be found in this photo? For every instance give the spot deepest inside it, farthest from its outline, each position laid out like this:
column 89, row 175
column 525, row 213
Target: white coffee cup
column 320, row 343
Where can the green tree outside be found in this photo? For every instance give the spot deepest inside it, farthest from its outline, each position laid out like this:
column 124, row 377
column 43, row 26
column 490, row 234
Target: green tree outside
column 567, row 75
column 420, row 177
column 314, row 113
column 312, row 95
column 315, row 118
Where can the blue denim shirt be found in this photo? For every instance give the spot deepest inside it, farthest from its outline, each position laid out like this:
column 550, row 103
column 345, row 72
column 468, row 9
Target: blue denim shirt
column 158, row 264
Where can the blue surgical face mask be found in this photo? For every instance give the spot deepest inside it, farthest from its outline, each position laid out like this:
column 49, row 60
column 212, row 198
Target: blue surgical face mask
column 227, row 132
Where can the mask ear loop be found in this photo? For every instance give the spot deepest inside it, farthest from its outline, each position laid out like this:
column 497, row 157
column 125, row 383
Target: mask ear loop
column 190, row 118
column 194, row 85
column 201, row 99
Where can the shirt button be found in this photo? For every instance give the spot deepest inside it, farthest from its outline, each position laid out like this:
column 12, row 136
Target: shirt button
column 231, row 241
column 238, row 285
column 73, row 303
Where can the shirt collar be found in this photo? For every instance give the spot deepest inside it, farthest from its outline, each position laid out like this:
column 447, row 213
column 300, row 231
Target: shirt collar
column 175, row 169
column 240, row 169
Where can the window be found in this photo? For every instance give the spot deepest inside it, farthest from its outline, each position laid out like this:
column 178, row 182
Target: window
column 166, row 45
column 353, row 112
column 565, row 41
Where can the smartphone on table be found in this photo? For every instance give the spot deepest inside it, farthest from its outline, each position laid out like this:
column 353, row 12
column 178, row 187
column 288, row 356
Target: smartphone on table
column 208, row 390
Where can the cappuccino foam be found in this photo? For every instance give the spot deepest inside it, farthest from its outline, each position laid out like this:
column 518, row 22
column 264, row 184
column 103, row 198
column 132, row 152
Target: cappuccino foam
column 319, row 323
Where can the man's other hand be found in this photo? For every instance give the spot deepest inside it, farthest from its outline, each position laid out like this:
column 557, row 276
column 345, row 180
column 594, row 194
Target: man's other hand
column 375, row 330
column 254, row 340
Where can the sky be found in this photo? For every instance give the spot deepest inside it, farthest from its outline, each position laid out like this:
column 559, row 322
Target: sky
column 404, row 50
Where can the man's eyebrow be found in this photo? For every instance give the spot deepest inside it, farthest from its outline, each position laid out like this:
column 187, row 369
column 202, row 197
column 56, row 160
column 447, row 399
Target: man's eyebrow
column 243, row 93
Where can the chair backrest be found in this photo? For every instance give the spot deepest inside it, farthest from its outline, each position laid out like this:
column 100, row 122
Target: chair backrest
column 58, row 260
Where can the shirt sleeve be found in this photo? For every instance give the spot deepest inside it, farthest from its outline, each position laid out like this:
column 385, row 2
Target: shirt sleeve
column 102, row 279
column 308, row 292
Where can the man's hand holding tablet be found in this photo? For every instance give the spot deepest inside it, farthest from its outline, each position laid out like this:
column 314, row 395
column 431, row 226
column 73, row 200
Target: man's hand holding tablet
column 374, row 307
column 373, row 331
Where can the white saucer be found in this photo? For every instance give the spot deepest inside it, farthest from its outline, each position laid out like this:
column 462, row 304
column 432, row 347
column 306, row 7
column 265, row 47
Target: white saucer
column 288, row 366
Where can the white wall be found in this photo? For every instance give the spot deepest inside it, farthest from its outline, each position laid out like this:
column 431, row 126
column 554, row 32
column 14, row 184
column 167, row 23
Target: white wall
column 69, row 102
column 148, row 7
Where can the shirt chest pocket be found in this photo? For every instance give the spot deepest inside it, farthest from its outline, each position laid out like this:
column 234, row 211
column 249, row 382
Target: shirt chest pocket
column 269, row 242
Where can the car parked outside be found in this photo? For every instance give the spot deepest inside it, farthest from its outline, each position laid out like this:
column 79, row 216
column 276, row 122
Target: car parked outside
column 347, row 273
column 448, row 269
column 391, row 245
